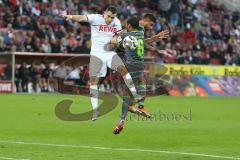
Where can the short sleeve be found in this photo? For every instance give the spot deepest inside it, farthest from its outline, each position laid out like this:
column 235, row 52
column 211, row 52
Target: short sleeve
column 91, row 18
column 118, row 25
column 125, row 34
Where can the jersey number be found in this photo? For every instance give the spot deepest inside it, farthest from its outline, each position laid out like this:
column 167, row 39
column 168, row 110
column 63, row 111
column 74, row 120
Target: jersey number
column 140, row 48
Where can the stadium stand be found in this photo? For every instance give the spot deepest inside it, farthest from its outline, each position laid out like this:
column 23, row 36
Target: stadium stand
column 197, row 27
column 202, row 31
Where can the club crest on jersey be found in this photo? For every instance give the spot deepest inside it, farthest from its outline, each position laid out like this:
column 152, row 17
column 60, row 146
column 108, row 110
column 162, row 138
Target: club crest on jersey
column 105, row 28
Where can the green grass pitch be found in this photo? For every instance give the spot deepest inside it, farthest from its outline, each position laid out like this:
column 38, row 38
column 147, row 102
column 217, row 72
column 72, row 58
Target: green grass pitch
column 29, row 129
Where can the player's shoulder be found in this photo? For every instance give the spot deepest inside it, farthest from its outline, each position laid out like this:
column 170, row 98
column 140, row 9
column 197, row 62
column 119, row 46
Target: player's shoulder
column 96, row 15
column 141, row 29
column 99, row 15
column 117, row 21
column 126, row 33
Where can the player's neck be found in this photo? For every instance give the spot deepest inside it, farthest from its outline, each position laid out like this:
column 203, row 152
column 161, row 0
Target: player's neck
column 133, row 30
column 141, row 23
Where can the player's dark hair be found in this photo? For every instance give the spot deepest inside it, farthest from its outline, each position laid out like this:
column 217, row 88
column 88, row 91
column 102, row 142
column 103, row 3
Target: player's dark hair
column 134, row 22
column 112, row 9
column 150, row 16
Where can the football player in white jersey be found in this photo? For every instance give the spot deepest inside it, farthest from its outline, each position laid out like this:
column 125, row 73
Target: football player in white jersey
column 103, row 28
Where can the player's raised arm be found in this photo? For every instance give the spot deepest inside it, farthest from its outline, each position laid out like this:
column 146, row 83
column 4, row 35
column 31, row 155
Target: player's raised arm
column 78, row 18
column 159, row 36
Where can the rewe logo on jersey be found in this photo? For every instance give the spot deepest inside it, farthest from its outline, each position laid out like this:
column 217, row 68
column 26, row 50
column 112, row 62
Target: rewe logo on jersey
column 105, row 28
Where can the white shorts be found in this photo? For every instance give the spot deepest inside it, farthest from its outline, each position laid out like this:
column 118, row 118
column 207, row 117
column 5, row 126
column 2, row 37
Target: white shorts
column 100, row 62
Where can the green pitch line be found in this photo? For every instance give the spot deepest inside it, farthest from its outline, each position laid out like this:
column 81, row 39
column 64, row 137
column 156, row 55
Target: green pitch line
column 213, row 130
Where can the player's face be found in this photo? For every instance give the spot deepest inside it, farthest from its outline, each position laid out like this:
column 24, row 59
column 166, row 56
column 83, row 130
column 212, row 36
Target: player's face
column 129, row 27
column 109, row 16
column 148, row 24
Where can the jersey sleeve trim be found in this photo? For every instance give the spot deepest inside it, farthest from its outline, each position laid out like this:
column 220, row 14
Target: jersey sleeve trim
column 86, row 17
column 118, row 31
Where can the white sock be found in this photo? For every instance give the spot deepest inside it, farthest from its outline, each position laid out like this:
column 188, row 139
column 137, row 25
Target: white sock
column 129, row 82
column 94, row 96
column 94, row 102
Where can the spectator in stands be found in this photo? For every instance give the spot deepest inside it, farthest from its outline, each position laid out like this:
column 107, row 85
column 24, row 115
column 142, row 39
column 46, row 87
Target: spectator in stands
column 164, row 7
column 41, row 31
column 198, row 47
column 17, row 22
column 196, row 59
column 211, row 23
column 215, row 54
column 60, row 73
column 29, row 45
column 13, row 48
column 23, row 75
column 235, row 60
column 3, row 47
column 131, row 9
column 187, row 16
column 192, row 2
column 204, row 34
column 45, row 78
column 33, row 77
column 55, row 46
column 25, row 8
column 83, row 46
column 74, row 75
column 174, row 13
column 60, row 32
column 216, row 31
column 46, row 47
column 7, row 75
column 198, row 13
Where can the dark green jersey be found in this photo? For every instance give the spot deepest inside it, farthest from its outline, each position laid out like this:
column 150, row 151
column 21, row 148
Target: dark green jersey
column 138, row 53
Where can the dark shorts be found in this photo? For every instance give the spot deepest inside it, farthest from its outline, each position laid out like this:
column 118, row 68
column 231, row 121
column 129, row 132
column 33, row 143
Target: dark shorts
column 136, row 70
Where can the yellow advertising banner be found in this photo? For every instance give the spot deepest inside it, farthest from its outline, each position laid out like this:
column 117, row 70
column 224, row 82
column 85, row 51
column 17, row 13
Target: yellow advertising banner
column 171, row 69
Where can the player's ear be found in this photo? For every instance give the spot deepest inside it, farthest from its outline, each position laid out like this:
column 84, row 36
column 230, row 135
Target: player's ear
column 129, row 27
column 104, row 13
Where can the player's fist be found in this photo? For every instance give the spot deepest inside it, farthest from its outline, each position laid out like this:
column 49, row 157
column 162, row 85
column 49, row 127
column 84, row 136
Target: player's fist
column 66, row 17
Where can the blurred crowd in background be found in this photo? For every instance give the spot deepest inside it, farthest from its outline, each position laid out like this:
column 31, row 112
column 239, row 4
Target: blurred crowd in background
column 202, row 31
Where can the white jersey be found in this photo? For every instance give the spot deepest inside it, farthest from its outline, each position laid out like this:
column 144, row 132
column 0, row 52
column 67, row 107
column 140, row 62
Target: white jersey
column 101, row 33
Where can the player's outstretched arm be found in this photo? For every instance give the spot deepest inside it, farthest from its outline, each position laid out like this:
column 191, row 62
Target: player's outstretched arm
column 166, row 52
column 159, row 36
column 78, row 18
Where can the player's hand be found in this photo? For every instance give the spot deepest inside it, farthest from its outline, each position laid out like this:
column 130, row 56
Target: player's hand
column 116, row 40
column 66, row 17
column 119, row 33
column 110, row 47
column 164, row 34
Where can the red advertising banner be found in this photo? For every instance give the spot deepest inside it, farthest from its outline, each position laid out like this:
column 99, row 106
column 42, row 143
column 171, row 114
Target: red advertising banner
column 6, row 87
